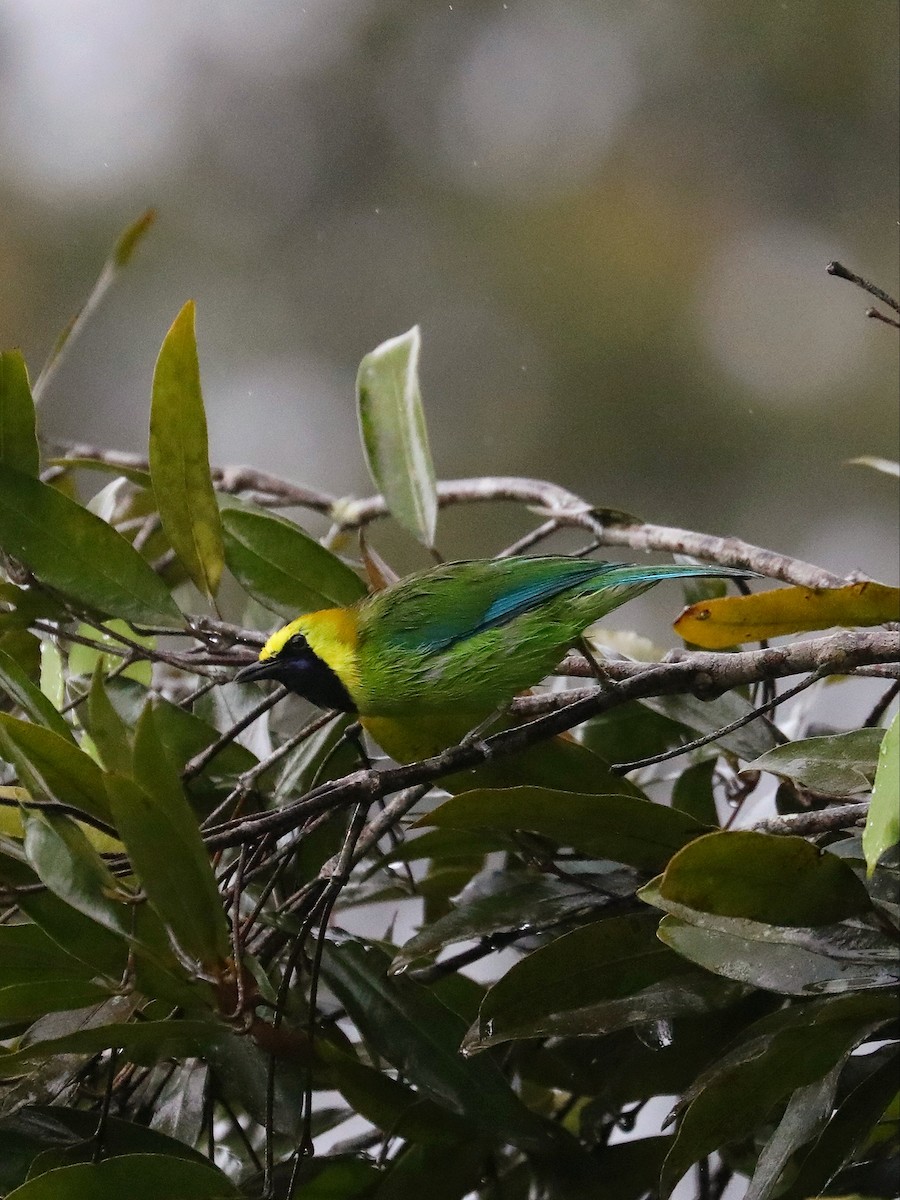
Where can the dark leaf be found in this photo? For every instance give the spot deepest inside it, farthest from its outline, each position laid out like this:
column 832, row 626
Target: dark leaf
column 283, row 567
column 79, row 555
column 18, row 437
column 776, row 880
column 839, row 764
column 622, row 828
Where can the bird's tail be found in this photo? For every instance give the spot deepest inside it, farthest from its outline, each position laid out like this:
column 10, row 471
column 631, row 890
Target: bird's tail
column 626, row 574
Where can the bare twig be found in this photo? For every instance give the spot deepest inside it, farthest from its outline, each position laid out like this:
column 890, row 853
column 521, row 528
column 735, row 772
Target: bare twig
column 841, row 272
column 825, row 820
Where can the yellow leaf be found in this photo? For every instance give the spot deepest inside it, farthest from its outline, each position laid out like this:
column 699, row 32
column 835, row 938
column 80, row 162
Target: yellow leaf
column 715, row 624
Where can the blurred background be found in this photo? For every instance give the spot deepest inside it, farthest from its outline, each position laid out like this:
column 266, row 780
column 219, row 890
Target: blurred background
column 610, row 217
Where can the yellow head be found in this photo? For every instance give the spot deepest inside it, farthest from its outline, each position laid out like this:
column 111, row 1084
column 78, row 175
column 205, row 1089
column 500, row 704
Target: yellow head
column 315, row 656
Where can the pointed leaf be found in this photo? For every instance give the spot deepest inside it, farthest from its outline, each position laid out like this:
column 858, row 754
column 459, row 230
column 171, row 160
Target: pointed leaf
column 166, row 850
column 392, row 423
column 108, row 731
column 283, row 567
column 30, row 698
column 420, row 1036
column 736, row 1096
column 716, row 624
column 179, row 457
column 836, row 764
column 622, row 828
column 18, row 437
column 601, row 976
column 79, row 555
column 883, row 821
column 53, row 767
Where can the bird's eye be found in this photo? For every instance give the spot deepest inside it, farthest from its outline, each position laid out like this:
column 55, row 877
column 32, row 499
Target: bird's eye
column 297, row 645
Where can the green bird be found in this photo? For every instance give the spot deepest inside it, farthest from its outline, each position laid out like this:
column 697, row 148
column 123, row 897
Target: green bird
column 432, row 657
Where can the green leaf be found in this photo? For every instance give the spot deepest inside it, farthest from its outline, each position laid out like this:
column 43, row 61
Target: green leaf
column 137, row 1176
column 807, row 1111
column 108, row 731
column 706, row 716
column 392, row 423
column 73, row 871
column 415, row 1032
column 37, row 976
column 578, row 983
column 79, row 555
column 778, row 958
column 179, row 457
column 53, row 767
column 283, row 567
column 693, row 792
column 778, row 880
column 18, row 436
column 183, row 734
column 883, row 821
column 164, row 844
column 838, row 764
column 160, row 1039
column 30, row 698
column 516, row 900
column 778, row 1055
column 621, row 828
column 850, row 1125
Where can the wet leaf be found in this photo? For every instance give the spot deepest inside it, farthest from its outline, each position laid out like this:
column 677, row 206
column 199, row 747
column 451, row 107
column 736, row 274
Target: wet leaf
column 79, row 555
column 621, row 828
column 787, row 960
column 837, row 764
column 599, row 977
column 775, row 880
column 18, row 436
column 283, row 567
column 392, row 423
column 717, row 624
column 53, row 767
column 179, row 457
column 807, row 1111
column 883, row 821
column 518, row 900
column 791, row 1049
column 420, row 1036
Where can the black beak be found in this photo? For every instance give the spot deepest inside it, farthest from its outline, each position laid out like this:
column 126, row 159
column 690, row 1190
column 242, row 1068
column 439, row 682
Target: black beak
column 267, row 669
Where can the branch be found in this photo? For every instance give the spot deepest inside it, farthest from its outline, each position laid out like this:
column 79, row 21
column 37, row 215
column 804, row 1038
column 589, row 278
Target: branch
column 835, row 655
column 826, row 820
column 610, row 527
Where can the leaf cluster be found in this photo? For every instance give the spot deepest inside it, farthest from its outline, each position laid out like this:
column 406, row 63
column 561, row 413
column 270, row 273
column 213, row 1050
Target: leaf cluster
column 198, row 985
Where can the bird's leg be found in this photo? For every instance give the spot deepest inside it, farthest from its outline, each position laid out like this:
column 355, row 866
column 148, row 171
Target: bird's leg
column 354, row 733
column 603, row 677
column 474, row 736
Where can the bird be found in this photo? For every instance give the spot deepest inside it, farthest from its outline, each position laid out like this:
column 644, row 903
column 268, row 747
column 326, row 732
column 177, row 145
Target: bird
column 432, row 657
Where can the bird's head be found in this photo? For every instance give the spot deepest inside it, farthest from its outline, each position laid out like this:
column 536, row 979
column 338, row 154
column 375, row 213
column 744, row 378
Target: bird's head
column 313, row 656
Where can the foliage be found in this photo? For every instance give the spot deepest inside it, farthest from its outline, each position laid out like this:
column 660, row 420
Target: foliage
column 197, row 979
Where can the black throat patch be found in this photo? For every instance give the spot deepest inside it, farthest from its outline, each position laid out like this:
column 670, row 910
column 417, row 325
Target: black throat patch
column 301, row 670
